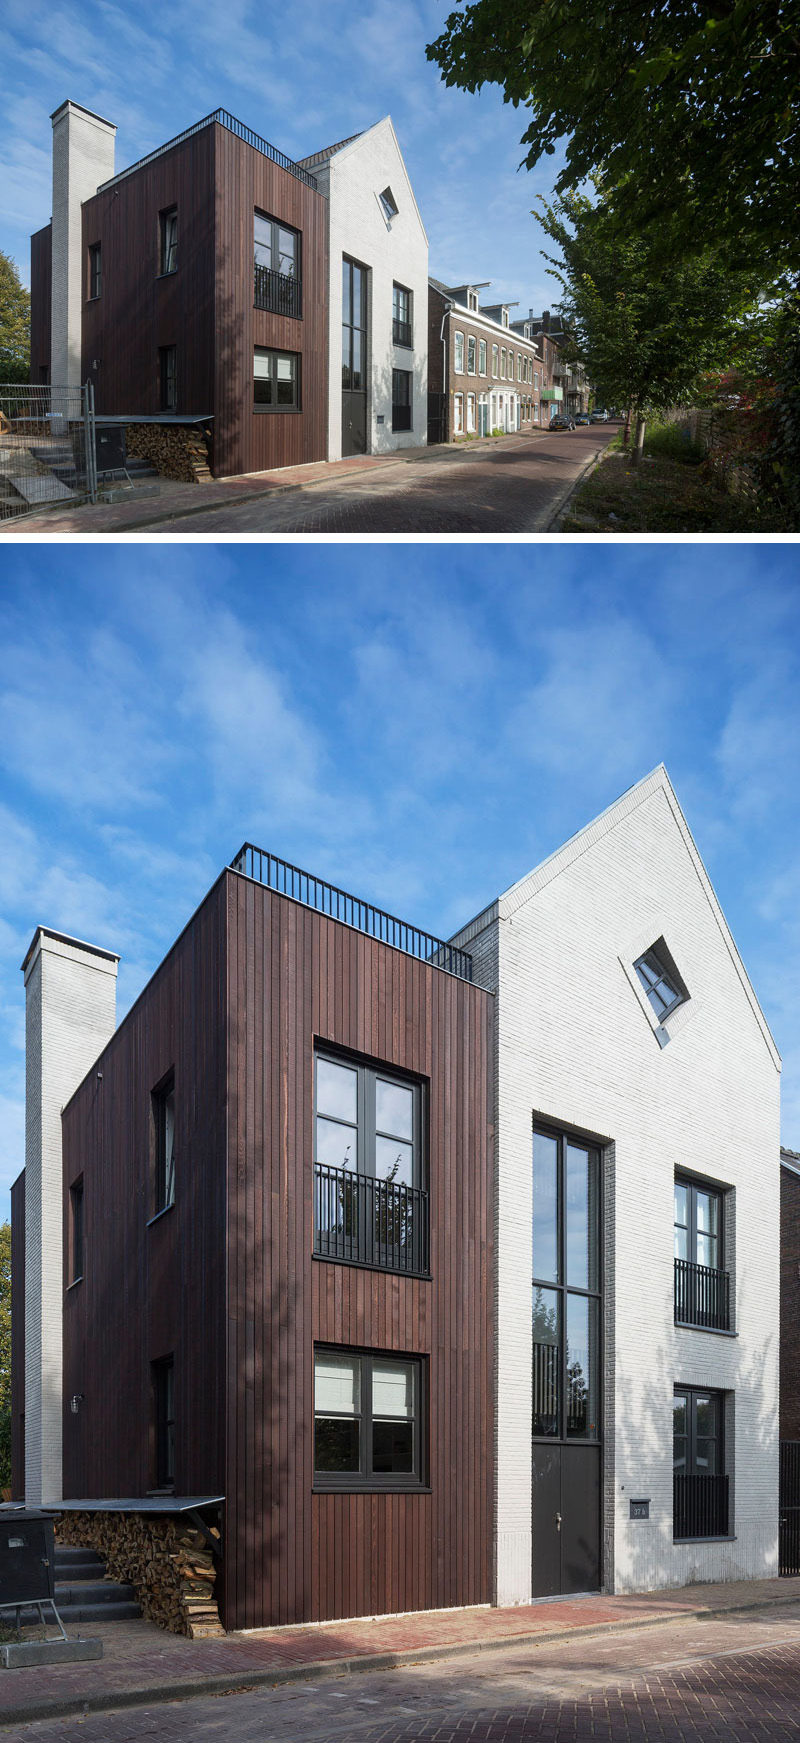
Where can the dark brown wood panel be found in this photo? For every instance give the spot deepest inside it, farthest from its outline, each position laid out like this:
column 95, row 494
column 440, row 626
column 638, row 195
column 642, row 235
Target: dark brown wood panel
column 151, row 1288
column 249, row 441
column 292, row 1555
column 18, row 1339
column 41, row 303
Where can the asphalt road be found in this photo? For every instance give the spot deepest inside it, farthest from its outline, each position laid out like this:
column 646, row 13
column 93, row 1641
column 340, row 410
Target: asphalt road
column 680, row 1682
column 513, row 486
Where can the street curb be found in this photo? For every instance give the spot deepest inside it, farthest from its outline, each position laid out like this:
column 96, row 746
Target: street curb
column 193, row 1689
column 571, row 489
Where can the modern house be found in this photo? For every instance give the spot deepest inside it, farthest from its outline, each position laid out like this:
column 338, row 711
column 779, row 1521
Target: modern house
column 481, row 375
column 377, row 296
column 451, row 1266
column 218, row 283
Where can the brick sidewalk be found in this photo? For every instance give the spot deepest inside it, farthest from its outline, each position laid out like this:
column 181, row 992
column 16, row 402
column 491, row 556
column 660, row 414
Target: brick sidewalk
column 143, row 1665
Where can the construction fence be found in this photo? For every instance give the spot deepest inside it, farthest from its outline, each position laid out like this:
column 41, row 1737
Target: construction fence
column 47, row 448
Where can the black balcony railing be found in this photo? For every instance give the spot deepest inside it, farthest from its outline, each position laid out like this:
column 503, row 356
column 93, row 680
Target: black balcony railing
column 401, row 332
column 277, row 292
column 222, row 118
column 699, row 1506
column 380, row 1223
column 702, row 1296
column 313, row 892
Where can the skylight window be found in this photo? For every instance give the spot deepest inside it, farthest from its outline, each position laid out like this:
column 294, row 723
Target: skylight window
column 661, row 981
column 389, row 204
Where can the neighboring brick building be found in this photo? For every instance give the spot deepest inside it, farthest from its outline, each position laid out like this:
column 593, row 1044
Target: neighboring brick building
column 482, row 376
column 790, row 1296
column 569, row 387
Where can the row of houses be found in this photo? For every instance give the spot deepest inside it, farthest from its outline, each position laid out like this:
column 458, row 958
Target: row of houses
column 285, row 306
column 435, row 1272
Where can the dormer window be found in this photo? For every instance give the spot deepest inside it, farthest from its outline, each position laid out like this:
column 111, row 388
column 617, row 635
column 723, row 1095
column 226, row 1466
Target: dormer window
column 472, row 299
column 389, row 205
column 661, row 981
column 505, row 317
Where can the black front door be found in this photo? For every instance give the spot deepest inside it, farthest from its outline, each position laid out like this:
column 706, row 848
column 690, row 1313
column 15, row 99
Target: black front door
column 566, row 1519
column 354, row 357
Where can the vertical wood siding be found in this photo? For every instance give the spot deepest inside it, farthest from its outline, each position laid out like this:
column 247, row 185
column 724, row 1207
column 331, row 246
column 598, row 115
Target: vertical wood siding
column 151, row 1290
column 18, row 1338
column 293, row 1555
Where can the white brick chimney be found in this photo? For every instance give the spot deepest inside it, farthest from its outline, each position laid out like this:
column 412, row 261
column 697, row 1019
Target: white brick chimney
column 83, row 157
column 70, row 1014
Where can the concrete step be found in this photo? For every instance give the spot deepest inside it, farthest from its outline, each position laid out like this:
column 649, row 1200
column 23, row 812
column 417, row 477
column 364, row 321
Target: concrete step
column 78, row 1564
column 92, row 1592
column 120, row 1612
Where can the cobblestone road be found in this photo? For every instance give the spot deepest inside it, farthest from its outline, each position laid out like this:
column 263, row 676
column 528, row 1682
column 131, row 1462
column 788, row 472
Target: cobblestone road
column 513, row 487
column 681, row 1682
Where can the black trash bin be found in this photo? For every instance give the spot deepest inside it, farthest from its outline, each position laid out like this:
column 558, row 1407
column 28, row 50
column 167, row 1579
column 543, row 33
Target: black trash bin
column 27, row 1558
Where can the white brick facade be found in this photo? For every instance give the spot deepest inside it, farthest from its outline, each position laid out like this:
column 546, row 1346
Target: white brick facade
column 394, row 250
column 577, row 1045
column 83, row 156
column 70, row 1009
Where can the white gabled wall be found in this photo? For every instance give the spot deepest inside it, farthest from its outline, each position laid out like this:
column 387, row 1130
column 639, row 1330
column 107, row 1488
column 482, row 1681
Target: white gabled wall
column 395, row 250
column 83, row 157
column 576, row 1044
column 70, row 1010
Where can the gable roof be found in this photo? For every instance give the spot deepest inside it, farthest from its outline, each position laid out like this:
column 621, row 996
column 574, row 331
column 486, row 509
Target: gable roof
column 529, row 886
column 329, row 151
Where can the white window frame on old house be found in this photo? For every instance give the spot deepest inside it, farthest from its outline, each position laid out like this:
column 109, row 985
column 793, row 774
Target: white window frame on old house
column 471, row 353
column 482, row 357
column 495, row 361
column 471, row 425
column 458, row 353
column 458, row 414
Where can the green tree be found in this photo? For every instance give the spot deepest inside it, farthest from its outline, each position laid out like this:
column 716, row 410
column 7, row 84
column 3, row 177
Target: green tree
column 647, row 321
column 695, row 101
column 5, row 1355
column 15, row 324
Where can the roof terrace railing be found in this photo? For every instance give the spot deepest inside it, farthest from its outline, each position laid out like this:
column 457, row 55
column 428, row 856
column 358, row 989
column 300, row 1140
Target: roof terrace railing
column 224, row 119
column 314, row 892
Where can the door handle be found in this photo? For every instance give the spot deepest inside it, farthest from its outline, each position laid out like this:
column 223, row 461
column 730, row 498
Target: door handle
column 558, row 1522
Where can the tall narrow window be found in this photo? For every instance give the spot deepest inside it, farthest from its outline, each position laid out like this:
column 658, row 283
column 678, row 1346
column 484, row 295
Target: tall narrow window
column 95, row 270
column 168, row 240
column 354, row 326
column 276, row 267
column 495, row 357
column 401, row 399
column 700, row 1486
column 482, row 357
column 168, row 370
column 164, row 1122
column 401, row 316
column 471, row 347
column 164, row 1406
column 76, row 1231
column 566, row 1287
column 458, row 353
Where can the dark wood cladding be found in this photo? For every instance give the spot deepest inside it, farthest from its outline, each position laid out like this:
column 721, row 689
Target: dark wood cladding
column 18, row 1339
column 41, row 303
column 292, row 1554
column 151, row 1288
column 205, row 308
column 249, row 441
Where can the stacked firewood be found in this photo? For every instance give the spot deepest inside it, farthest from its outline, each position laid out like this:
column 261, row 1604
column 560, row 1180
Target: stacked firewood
column 177, row 451
column 167, row 1560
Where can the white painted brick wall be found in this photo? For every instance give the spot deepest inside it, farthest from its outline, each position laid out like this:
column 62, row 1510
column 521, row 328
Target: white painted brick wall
column 69, row 1016
column 397, row 251
column 83, row 156
column 577, row 1045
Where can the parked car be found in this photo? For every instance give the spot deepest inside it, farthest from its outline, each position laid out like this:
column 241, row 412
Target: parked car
column 582, row 418
column 599, row 417
column 559, row 423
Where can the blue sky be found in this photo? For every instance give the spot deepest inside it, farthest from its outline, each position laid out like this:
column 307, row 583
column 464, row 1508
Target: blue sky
column 419, row 725
column 303, row 77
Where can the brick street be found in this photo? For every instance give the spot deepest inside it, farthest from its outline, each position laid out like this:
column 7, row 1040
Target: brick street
column 514, row 485
column 687, row 1679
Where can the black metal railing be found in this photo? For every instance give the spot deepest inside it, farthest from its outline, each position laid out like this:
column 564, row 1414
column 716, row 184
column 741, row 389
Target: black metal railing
column 789, row 1508
column 277, row 292
column 223, row 119
column 699, row 1506
column 380, row 1223
column 313, row 892
column 401, row 332
column 702, row 1296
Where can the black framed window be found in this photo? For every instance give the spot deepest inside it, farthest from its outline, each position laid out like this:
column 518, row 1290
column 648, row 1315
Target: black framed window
column 402, row 332
column 368, row 1120
column 700, row 1485
column 168, row 240
column 661, row 982
column 164, row 1407
column 168, row 372
column 277, row 266
column 698, row 1223
column 402, row 399
column 95, row 269
column 354, row 325
column 368, row 1418
column 389, row 204
column 276, row 380
column 566, row 1287
column 163, row 1101
column 76, row 1231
